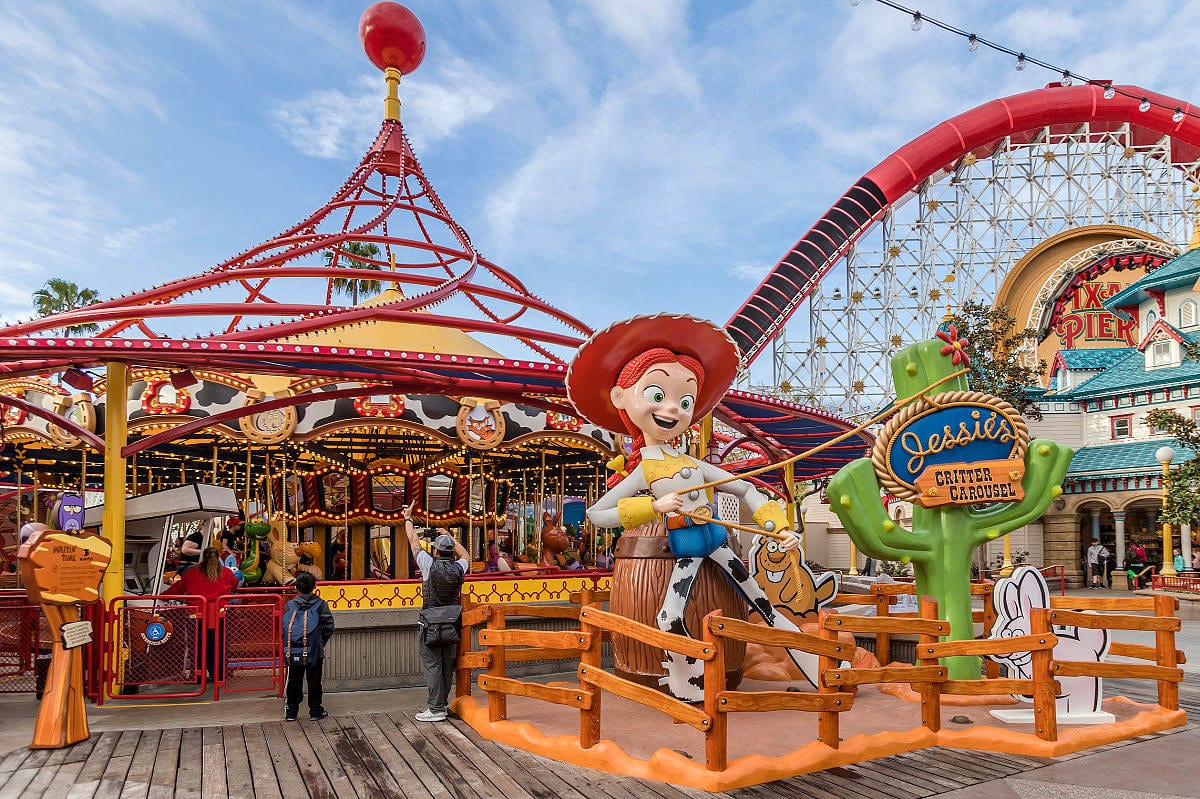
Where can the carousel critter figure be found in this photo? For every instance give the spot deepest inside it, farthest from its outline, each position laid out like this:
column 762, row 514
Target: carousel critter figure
column 554, row 540
column 651, row 376
column 281, row 568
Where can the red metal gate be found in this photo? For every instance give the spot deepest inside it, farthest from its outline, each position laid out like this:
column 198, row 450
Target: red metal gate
column 24, row 646
column 156, row 643
column 250, row 644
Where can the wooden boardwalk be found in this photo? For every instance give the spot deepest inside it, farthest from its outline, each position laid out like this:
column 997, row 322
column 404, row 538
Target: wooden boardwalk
column 391, row 755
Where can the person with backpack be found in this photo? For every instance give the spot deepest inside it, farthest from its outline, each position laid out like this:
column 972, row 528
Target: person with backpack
column 1097, row 555
column 307, row 626
column 439, row 625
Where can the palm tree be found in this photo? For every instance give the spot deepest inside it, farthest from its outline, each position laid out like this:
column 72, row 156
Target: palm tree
column 60, row 295
column 344, row 285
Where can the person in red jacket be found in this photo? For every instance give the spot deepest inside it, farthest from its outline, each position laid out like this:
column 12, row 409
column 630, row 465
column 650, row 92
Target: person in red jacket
column 212, row 581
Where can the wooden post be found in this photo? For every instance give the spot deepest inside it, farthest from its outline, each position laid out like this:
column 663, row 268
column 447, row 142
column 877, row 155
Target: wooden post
column 931, row 693
column 883, row 641
column 462, row 676
column 589, row 659
column 1164, row 647
column 716, row 756
column 828, row 721
column 990, row 667
column 497, row 701
column 1045, row 715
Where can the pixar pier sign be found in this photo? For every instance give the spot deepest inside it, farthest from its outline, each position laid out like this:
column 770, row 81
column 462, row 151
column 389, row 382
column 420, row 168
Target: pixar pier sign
column 953, row 448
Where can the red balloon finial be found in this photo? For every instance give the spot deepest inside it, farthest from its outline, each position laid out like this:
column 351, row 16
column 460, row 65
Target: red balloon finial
column 392, row 36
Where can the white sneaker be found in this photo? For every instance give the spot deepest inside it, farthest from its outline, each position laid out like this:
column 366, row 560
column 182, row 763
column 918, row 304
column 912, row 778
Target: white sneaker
column 429, row 715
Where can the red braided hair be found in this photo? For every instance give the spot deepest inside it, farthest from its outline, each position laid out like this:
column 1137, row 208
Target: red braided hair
column 633, row 372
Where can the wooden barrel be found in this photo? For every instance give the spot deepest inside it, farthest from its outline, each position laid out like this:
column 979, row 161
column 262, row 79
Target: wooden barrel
column 641, row 573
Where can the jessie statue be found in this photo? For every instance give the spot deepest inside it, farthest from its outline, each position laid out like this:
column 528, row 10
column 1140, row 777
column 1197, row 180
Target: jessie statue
column 651, row 376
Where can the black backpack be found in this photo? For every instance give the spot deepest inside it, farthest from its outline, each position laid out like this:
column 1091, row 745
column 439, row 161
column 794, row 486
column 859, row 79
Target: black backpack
column 301, row 640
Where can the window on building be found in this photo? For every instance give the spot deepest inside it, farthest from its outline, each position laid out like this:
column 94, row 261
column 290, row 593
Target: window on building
column 1160, row 353
column 1187, row 313
column 1125, row 401
column 1109, row 403
column 1122, row 427
column 1196, row 414
column 1151, row 318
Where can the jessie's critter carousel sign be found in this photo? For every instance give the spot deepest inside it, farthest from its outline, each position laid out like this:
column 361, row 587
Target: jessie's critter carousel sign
column 965, row 459
column 62, row 571
column 956, row 447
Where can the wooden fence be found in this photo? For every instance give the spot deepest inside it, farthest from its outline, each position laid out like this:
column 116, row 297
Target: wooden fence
column 837, row 685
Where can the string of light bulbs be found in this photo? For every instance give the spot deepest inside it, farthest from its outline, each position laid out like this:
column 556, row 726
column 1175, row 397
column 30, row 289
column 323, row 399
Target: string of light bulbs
column 1067, row 77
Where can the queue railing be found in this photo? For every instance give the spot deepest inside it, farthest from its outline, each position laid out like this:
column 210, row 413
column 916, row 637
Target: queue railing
column 1124, row 613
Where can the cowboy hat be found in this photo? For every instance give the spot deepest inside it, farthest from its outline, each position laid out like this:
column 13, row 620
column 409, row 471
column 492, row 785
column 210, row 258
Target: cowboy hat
column 600, row 359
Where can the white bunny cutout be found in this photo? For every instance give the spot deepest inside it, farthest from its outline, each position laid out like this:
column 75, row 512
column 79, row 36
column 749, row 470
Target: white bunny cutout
column 1080, row 697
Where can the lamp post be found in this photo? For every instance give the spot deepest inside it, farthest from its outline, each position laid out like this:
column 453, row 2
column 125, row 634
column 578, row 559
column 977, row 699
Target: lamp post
column 1165, row 455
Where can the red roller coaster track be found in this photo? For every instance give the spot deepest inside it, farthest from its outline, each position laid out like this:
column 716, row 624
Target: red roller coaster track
column 1017, row 118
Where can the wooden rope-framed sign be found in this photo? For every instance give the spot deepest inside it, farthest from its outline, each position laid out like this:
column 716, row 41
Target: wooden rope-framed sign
column 953, row 448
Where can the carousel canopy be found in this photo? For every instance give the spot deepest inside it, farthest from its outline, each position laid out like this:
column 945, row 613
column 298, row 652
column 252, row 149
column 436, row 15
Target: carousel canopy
column 264, row 332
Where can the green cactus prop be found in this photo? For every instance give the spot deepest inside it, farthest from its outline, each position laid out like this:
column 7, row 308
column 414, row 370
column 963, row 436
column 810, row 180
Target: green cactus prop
column 942, row 541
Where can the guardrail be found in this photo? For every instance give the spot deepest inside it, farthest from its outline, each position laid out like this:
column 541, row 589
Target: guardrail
column 1164, row 623
column 1179, row 584
column 837, row 684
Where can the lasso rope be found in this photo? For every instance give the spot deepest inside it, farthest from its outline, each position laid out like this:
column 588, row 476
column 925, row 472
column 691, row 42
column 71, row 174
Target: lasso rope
column 793, row 555
column 835, row 440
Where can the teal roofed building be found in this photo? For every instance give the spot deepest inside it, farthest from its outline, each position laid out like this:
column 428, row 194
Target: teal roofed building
column 1098, row 400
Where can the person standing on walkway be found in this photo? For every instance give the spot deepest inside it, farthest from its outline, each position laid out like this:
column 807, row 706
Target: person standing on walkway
column 212, row 581
column 1097, row 557
column 441, row 612
column 307, row 626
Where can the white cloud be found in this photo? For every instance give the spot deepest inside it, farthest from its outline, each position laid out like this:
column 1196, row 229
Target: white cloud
column 751, row 272
column 183, row 16
column 135, row 238
column 330, row 123
column 647, row 28
column 337, row 124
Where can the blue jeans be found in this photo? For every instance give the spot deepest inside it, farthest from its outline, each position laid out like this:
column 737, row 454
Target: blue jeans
column 696, row 541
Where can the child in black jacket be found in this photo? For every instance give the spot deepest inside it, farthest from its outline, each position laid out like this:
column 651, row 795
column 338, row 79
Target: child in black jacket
column 307, row 625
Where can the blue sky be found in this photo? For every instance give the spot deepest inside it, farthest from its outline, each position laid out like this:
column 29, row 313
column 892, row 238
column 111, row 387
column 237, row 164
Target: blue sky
column 621, row 156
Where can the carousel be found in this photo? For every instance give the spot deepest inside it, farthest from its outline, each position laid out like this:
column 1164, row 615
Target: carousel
column 367, row 357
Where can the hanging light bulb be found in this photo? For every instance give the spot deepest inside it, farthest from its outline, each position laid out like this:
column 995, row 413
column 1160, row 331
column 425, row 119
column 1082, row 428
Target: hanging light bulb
column 1177, row 116
column 837, row 294
column 1144, row 105
column 1066, row 78
column 1021, row 62
column 1109, row 92
column 917, row 22
column 972, row 42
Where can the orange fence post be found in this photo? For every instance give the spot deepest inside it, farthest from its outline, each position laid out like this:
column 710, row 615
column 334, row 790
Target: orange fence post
column 931, row 697
column 990, row 667
column 883, row 641
column 462, row 676
column 828, row 723
column 589, row 716
column 1045, row 714
column 497, row 701
column 716, row 736
column 1164, row 645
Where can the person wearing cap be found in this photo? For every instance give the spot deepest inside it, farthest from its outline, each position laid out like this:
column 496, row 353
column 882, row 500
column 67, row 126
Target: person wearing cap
column 231, row 537
column 443, row 574
column 650, row 376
